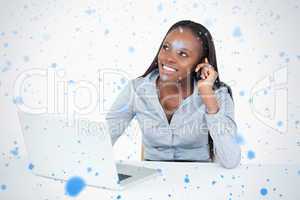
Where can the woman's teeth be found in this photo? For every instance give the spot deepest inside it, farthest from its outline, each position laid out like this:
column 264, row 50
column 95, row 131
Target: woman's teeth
column 165, row 67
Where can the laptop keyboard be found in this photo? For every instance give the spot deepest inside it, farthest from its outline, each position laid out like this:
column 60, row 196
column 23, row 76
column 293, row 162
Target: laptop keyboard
column 123, row 177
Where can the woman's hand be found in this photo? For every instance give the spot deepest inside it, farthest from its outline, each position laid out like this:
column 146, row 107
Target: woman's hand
column 205, row 86
column 208, row 75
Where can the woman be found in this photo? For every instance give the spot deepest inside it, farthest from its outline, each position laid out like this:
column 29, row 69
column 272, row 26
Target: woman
column 184, row 111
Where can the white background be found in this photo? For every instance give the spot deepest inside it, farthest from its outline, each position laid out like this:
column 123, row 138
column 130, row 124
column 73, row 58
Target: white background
column 257, row 50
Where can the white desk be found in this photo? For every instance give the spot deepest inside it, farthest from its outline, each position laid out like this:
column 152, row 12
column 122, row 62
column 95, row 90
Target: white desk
column 207, row 181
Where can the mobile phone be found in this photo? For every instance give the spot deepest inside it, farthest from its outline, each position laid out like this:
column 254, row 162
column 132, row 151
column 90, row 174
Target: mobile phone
column 198, row 74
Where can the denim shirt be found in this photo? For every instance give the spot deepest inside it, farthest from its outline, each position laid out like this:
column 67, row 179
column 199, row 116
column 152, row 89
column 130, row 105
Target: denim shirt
column 186, row 136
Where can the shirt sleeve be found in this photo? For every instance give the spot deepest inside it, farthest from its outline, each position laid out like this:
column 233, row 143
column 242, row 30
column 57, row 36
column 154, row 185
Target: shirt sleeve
column 121, row 112
column 223, row 130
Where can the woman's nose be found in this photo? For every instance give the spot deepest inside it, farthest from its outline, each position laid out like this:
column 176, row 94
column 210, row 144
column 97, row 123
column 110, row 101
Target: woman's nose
column 171, row 57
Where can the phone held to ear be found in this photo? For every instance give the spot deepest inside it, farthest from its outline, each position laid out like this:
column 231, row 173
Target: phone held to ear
column 198, row 74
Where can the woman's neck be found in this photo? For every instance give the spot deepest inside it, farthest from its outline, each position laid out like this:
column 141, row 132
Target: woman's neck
column 184, row 87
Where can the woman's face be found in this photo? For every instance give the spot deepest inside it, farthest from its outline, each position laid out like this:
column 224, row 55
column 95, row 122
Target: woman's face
column 179, row 54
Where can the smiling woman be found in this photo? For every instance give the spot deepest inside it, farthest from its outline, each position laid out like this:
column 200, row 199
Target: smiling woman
column 185, row 112
column 179, row 54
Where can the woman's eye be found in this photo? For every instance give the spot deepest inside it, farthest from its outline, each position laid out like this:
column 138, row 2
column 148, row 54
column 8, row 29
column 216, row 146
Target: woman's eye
column 183, row 54
column 165, row 46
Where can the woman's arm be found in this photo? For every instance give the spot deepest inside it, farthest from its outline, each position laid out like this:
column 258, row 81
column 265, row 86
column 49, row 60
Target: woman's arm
column 219, row 117
column 222, row 127
column 121, row 112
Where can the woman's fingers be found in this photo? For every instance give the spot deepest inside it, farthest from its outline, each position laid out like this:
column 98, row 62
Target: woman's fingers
column 206, row 60
column 201, row 65
column 197, row 68
column 208, row 72
column 205, row 72
column 206, row 67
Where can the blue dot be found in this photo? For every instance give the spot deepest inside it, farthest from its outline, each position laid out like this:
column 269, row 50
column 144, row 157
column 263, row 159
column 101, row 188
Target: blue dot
column 239, row 139
column 5, row 45
column 3, row 187
column 242, row 93
column 30, row 166
column 237, row 32
column 186, row 179
column 279, row 123
column 71, row 82
column 131, row 49
column 251, row 154
column 89, row 169
column 90, row 11
column 263, row 191
column 74, row 186
column 160, row 7
column 15, row 151
column 18, row 100
column 119, row 197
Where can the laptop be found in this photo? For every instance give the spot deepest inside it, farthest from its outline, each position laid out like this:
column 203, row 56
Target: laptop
column 60, row 149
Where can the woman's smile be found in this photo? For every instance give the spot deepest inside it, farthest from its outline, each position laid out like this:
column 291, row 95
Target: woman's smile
column 169, row 69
